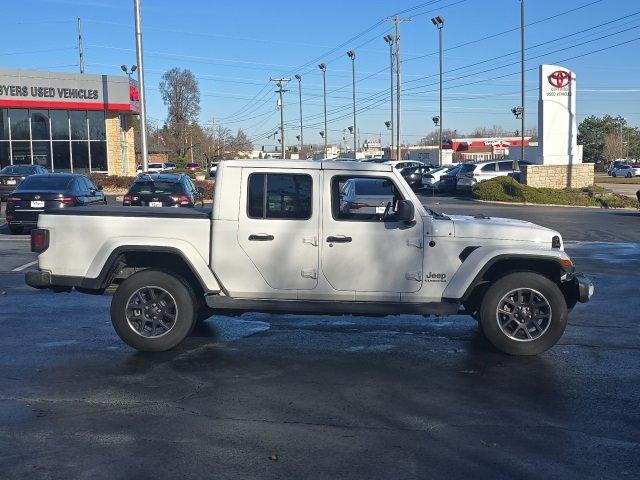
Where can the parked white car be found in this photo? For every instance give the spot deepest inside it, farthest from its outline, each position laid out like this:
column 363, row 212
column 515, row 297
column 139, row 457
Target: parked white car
column 366, row 196
column 472, row 173
column 431, row 179
column 626, row 170
column 157, row 167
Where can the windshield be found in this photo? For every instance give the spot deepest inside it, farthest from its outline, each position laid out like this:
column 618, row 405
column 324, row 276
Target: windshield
column 18, row 170
column 156, row 187
column 50, row 182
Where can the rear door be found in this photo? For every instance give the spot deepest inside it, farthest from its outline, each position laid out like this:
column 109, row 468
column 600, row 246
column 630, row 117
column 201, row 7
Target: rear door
column 363, row 252
column 278, row 226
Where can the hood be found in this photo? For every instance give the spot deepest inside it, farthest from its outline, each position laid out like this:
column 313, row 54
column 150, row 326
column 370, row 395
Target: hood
column 500, row 229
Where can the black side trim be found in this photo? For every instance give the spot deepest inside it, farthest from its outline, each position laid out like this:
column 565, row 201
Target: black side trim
column 307, row 307
column 466, row 252
column 137, row 212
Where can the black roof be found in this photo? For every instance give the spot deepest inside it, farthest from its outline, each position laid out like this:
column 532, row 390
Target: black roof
column 58, row 175
column 161, row 177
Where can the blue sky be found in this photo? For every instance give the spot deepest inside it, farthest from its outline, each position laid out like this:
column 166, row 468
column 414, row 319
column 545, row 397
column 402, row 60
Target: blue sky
column 234, row 47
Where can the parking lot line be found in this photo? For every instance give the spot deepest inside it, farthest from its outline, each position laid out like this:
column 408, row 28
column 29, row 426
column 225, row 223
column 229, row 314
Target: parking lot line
column 26, row 265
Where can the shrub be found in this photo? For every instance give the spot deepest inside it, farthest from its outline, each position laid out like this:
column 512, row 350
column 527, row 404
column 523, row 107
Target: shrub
column 506, row 189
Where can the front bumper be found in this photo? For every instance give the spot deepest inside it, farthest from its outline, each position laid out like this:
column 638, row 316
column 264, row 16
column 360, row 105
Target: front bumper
column 584, row 286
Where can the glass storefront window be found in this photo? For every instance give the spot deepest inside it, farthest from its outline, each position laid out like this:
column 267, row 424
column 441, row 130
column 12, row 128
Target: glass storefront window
column 78, row 125
column 61, row 157
column 96, row 125
column 21, row 152
column 59, row 124
column 42, row 154
column 60, row 140
column 99, row 156
column 19, row 124
column 80, row 156
column 4, row 155
column 4, row 124
column 40, row 124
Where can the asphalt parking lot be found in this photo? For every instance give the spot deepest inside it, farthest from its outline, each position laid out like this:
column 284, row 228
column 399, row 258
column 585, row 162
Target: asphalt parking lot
column 280, row 396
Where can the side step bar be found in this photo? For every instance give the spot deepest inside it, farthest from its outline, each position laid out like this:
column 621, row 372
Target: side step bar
column 308, row 307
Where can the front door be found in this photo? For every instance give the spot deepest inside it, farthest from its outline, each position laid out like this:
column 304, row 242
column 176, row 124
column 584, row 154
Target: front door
column 364, row 249
column 278, row 226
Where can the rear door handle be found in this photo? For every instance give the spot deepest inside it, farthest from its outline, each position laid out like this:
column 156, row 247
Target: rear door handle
column 260, row 237
column 339, row 239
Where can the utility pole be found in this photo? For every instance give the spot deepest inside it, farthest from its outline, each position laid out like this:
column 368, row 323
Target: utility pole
column 516, row 167
column 352, row 55
column 280, row 82
column 439, row 23
column 397, row 21
column 323, row 68
column 191, row 146
column 299, row 78
column 143, row 106
column 390, row 39
column 80, row 46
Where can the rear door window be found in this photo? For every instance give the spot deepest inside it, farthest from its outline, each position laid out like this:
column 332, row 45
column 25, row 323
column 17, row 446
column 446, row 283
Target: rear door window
column 505, row 166
column 284, row 196
column 489, row 167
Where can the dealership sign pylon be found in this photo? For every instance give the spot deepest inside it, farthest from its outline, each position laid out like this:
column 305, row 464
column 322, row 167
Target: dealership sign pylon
column 557, row 128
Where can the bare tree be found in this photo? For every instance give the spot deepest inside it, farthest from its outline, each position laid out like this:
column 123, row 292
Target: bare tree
column 433, row 137
column 614, row 147
column 180, row 93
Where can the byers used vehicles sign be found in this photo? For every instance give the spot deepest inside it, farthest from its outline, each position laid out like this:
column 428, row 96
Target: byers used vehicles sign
column 34, row 89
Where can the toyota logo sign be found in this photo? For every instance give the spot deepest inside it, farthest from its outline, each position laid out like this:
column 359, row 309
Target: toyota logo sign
column 559, row 79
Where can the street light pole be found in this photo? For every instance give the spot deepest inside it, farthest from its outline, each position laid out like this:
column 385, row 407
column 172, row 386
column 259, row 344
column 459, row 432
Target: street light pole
column 299, row 78
column 352, row 55
column 439, row 23
column 323, row 68
column 390, row 39
column 521, row 84
column 80, row 46
column 143, row 106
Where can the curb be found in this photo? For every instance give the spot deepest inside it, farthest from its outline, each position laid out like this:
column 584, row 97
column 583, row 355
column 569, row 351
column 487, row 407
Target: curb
column 527, row 204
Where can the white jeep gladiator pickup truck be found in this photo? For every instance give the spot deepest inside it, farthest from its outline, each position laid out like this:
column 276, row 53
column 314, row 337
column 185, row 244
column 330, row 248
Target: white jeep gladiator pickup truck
column 283, row 236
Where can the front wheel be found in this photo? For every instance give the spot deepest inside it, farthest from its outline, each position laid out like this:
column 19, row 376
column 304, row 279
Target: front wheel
column 614, row 175
column 629, row 175
column 523, row 313
column 153, row 310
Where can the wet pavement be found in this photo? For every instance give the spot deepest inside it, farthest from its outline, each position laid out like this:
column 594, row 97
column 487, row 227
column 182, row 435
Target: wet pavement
column 282, row 396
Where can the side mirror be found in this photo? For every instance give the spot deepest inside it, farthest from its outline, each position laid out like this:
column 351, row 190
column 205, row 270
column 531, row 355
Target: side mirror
column 99, row 187
column 405, row 211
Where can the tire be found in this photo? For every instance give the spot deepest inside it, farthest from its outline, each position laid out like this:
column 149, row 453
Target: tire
column 613, row 174
column 173, row 300
column 629, row 175
column 15, row 229
column 512, row 335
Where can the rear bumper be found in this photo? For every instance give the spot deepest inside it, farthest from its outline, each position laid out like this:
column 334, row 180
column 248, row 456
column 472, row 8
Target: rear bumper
column 42, row 279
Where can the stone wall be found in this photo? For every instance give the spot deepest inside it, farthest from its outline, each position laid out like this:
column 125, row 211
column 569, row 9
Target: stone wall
column 578, row 175
column 121, row 158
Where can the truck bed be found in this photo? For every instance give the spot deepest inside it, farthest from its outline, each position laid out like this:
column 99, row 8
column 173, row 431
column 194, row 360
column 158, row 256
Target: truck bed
column 146, row 212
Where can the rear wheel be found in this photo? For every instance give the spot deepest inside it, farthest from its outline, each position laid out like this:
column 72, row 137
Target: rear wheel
column 613, row 174
column 15, row 229
column 153, row 310
column 629, row 175
column 523, row 313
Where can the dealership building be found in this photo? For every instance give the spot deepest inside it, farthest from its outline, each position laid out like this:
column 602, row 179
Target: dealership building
column 68, row 122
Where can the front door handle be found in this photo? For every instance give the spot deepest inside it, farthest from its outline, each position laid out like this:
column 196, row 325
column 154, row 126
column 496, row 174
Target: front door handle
column 339, row 239
column 260, row 237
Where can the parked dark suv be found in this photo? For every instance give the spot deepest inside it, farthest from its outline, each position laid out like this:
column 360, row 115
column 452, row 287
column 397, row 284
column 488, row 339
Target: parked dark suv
column 38, row 193
column 163, row 190
column 13, row 175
